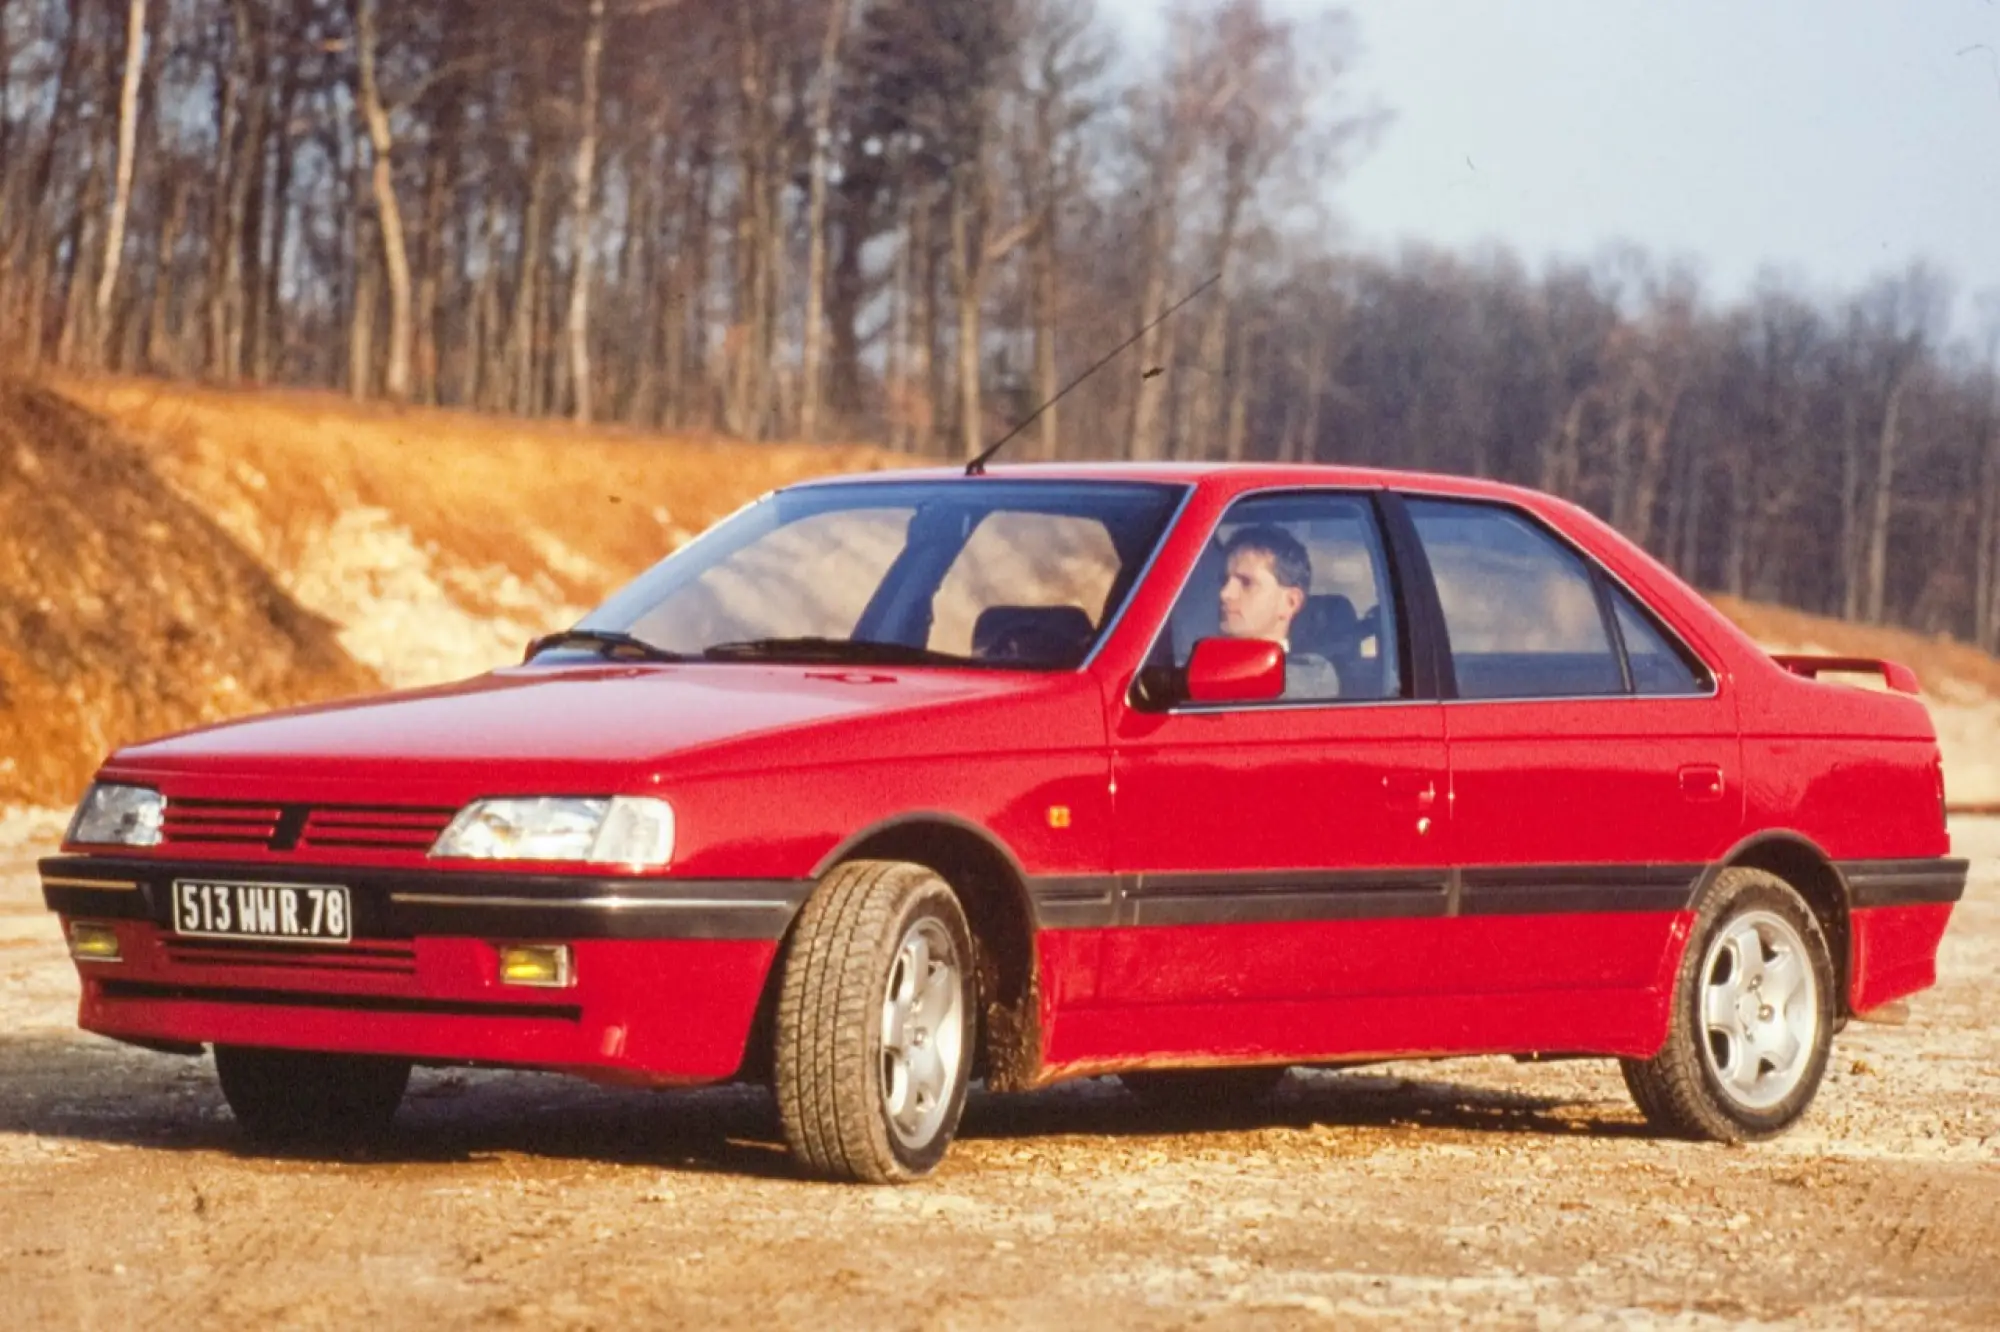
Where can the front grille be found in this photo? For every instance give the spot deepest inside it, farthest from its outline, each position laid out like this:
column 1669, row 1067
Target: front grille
column 282, row 826
column 219, row 823
column 378, row 828
column 372, row 958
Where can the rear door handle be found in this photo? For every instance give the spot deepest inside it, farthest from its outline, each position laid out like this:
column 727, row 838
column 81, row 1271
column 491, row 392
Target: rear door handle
column 1701, row 782
column 1410, row 791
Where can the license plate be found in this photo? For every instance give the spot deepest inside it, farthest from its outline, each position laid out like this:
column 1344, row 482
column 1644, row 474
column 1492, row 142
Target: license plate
column 300, row 912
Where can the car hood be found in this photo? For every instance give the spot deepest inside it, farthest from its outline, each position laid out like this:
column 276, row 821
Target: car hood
column 545, row 720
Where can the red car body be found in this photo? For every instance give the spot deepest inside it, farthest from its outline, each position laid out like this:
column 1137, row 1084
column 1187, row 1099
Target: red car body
column 1424, row 876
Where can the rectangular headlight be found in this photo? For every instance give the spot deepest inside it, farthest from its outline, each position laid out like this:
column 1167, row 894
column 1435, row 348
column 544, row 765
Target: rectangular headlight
column 635, row 831
column 115, row 815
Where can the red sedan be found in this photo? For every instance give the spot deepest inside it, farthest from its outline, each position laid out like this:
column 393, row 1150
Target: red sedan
column 1187, row 774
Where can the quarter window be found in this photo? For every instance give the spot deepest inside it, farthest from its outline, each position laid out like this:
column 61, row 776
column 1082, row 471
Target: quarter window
column 1521, row 609
column 1658, row 668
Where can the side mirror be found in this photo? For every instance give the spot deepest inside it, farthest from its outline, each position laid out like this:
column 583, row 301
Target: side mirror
column 1236, row 670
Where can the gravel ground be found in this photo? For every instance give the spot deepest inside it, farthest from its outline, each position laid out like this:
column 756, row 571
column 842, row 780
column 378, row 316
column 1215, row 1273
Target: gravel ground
column 1474, row 1191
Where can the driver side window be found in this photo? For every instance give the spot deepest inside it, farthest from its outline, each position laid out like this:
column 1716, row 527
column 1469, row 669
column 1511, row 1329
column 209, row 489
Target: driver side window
column 1306, row 570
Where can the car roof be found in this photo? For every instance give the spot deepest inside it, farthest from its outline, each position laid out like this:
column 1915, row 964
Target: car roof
column 1226, row 477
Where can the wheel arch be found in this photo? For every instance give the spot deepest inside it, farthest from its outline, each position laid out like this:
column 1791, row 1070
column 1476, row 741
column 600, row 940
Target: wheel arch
column 1803, row 864
column 993, row 889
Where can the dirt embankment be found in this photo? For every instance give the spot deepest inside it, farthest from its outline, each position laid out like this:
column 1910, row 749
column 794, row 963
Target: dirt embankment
column 125, row 609
column 172, row 555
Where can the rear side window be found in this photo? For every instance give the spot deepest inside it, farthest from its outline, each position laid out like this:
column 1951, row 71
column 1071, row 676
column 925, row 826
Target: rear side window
column 1659, row 668
column 1520, row 608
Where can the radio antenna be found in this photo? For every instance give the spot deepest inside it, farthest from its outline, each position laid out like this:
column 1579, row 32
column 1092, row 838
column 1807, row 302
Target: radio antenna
column 977, row 467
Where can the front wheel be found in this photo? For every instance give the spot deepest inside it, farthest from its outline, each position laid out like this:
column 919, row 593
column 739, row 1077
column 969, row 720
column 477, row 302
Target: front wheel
column 1753, row 1016
column 297, row 1098
column 874, row 1024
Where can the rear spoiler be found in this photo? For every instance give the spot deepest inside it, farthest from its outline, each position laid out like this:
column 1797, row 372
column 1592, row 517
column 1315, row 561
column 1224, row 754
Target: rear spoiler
column 1895, row 675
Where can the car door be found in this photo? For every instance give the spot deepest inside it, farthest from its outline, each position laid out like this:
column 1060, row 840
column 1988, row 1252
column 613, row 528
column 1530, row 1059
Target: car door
column 1595, row 770
column 1281, row 865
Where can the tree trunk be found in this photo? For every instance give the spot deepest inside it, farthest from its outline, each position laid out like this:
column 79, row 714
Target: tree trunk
column 1850, row 502
column 228, row 96
column 970, row 275
column 1885, row 487
column 810, row 388
column 395, row 252
column 121, row 192
column 361, row 324
column 1147, row 439
column 583, row 189
column 161, row 341
column 1048, row 376
column 521, row 364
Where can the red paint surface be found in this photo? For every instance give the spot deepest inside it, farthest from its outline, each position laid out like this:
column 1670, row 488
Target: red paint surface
column 1894, row 952
column 773, row 769
column 657, row 1011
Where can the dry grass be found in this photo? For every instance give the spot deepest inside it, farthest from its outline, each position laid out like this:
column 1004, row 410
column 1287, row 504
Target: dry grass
column 1947, row 667
column 491, row 490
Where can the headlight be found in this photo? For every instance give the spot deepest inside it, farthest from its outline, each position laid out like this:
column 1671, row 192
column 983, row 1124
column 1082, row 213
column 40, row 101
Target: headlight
column 118, row 816
column 623, row 830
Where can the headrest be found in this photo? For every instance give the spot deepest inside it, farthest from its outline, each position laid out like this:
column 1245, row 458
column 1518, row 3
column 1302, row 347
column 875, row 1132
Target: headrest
column 1326, row 624
column 1041, row 635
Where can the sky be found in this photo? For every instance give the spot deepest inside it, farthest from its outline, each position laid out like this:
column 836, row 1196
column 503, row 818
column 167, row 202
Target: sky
column 1832, row 140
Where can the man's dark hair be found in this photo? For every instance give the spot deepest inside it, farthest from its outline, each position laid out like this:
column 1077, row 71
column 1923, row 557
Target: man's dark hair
column 1289, row 563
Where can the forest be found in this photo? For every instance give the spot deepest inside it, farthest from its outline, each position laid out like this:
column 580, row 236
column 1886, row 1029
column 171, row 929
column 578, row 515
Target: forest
column 912, row 221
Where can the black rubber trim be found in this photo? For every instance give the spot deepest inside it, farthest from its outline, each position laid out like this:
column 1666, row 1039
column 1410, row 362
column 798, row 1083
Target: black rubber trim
column 1198, row 899
column 1565, row 889
column 1882, row 883
column 401, row 904
column 97, row 903
column 1105, row 901
column 364, row 1003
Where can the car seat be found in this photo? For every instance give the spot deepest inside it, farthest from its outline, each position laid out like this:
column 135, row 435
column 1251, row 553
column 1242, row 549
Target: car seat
column 1034, row 635
column 1327, row 627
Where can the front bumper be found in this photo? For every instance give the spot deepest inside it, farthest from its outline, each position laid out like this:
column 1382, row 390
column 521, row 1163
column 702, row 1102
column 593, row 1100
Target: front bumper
column 667, row 973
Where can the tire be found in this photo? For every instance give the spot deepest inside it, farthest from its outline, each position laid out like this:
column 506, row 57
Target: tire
column 1217, row 1090
column 297, row 1098
column 1742, row 1061
column 875, row 1024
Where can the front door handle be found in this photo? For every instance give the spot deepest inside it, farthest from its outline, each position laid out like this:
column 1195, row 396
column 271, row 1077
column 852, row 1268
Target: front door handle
column 1701, row 782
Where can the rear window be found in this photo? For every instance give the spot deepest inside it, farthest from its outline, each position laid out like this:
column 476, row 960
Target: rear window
column 1520, row 608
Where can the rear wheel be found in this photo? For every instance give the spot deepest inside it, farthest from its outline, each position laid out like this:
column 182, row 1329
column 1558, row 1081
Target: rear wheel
column 874, row 1024
column 1204, row 1089
column 286, row 1098
column 1753, row 1016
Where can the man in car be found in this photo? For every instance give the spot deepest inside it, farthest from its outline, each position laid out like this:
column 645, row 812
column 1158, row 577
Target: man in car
column 1264, row 587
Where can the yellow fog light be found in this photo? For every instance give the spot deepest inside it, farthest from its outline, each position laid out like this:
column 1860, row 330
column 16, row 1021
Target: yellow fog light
column 544, row 965
column 91, row 942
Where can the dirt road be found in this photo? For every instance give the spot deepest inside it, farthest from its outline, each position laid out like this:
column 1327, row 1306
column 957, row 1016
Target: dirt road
column 1474, row 1191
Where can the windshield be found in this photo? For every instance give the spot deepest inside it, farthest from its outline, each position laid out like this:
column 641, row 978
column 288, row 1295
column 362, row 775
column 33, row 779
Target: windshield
column 979, row 572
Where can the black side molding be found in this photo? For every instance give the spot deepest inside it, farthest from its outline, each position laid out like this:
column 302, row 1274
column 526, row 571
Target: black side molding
column 1881, row 883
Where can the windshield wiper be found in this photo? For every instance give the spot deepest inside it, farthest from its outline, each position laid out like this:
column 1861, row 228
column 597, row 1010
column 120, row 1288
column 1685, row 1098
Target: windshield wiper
column 864, row 651
column 610, row 642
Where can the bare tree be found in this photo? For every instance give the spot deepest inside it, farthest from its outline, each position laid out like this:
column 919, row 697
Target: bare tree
column 389, row 214
column 121, row 198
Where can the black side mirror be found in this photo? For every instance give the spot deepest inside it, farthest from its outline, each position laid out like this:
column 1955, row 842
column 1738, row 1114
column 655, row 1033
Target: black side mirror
column 1157, row 688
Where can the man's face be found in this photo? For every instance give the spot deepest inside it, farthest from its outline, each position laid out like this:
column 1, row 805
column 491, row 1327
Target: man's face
column 1254, row 603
